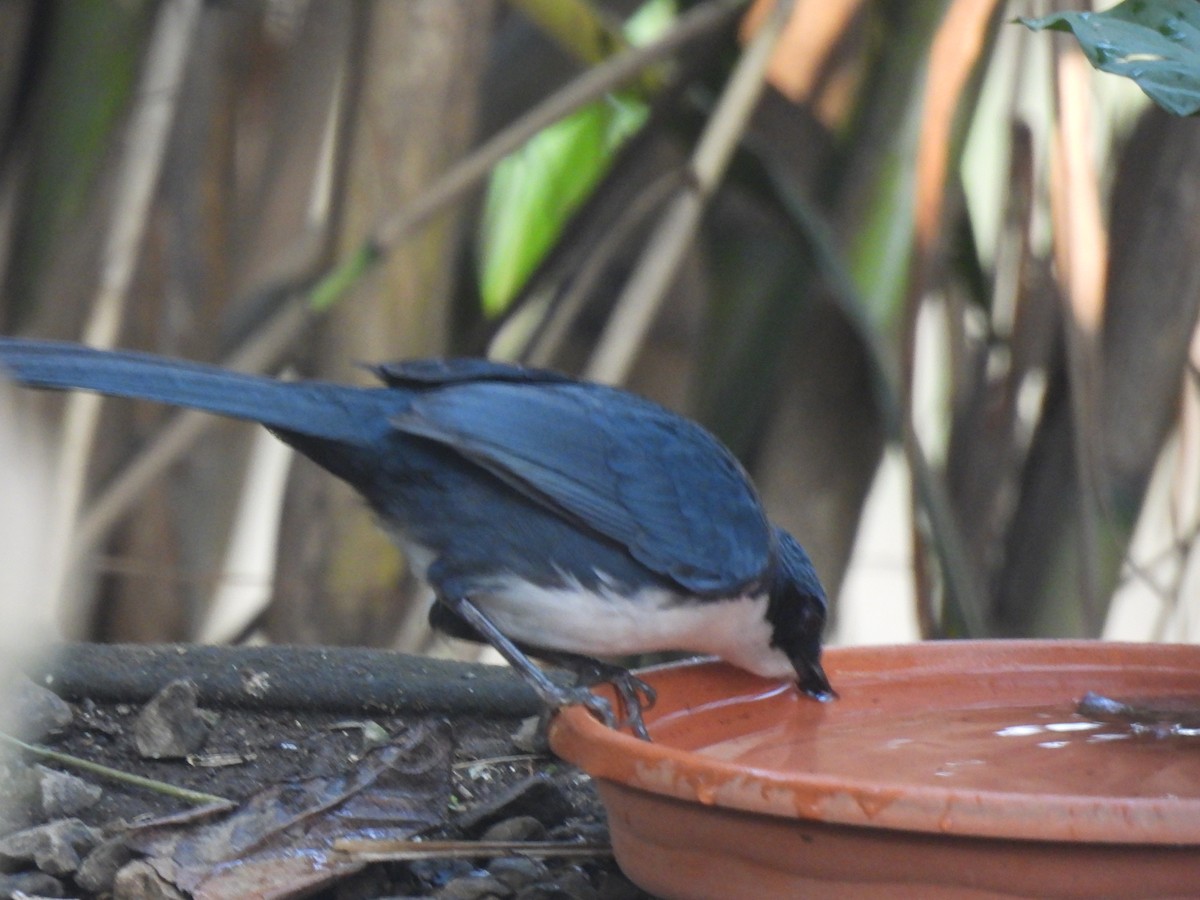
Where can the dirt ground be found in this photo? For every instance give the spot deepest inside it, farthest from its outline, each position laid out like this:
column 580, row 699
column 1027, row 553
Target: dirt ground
column 436, row 796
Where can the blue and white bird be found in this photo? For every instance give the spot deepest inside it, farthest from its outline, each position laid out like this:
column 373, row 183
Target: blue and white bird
column 550, row 516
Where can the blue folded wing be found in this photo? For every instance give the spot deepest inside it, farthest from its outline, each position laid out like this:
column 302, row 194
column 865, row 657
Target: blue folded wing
column 627, row 469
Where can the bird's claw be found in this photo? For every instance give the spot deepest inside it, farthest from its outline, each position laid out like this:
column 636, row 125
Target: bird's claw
column 600, row 707
column 594, row 703
column 635, row 696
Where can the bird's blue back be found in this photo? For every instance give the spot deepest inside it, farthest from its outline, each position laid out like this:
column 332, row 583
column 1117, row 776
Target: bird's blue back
column 499, row 463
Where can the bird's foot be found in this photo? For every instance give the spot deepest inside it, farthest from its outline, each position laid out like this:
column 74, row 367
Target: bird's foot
column 630, row 689
column 579, row 695
column 633, row 695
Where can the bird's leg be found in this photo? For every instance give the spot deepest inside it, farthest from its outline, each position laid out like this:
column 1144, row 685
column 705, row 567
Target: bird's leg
column 551, row 694
column 634, row 694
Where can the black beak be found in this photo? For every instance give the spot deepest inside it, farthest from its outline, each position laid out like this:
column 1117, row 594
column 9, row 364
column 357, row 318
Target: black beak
column 811, row 679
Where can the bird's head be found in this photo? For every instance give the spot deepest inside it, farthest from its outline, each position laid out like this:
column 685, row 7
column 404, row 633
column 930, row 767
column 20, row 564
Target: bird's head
column 796, row 610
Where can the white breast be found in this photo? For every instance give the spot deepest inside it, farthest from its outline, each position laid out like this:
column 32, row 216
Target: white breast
column 604, row 623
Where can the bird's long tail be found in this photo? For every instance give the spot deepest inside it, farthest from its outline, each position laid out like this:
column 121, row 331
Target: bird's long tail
column 318, row 409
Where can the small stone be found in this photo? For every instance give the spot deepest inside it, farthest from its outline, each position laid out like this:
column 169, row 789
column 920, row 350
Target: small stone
column 437, row 872
column 474, row 887
column 537, row 796
column 56, row 847
column 171, row 726
column 64, row 794
column 518, row 828
column 18, row 797
column 530, row 737
column 30, row 884
column 583, row 831
column 517, row 871
column 36, row 711
column 567, row 883
column 139, row 881
column 98, row 872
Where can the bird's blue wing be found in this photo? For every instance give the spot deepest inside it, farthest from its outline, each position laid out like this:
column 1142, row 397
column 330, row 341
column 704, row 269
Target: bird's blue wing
column 625, row 468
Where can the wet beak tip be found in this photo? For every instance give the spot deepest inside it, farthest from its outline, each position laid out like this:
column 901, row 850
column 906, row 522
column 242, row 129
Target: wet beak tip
column 816, row 685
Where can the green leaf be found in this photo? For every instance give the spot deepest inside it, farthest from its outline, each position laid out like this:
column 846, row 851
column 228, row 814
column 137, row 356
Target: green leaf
column 533, row 192
column 1154, row 42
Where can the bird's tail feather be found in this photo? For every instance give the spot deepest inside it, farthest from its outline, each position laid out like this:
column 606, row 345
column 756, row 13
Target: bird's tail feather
column 318, row 409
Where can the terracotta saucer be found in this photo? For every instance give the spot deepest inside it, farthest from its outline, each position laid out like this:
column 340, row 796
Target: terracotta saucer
column 948, row 769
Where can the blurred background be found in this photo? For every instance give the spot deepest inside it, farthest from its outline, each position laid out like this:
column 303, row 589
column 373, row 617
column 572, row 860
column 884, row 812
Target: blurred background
column 928, row 274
